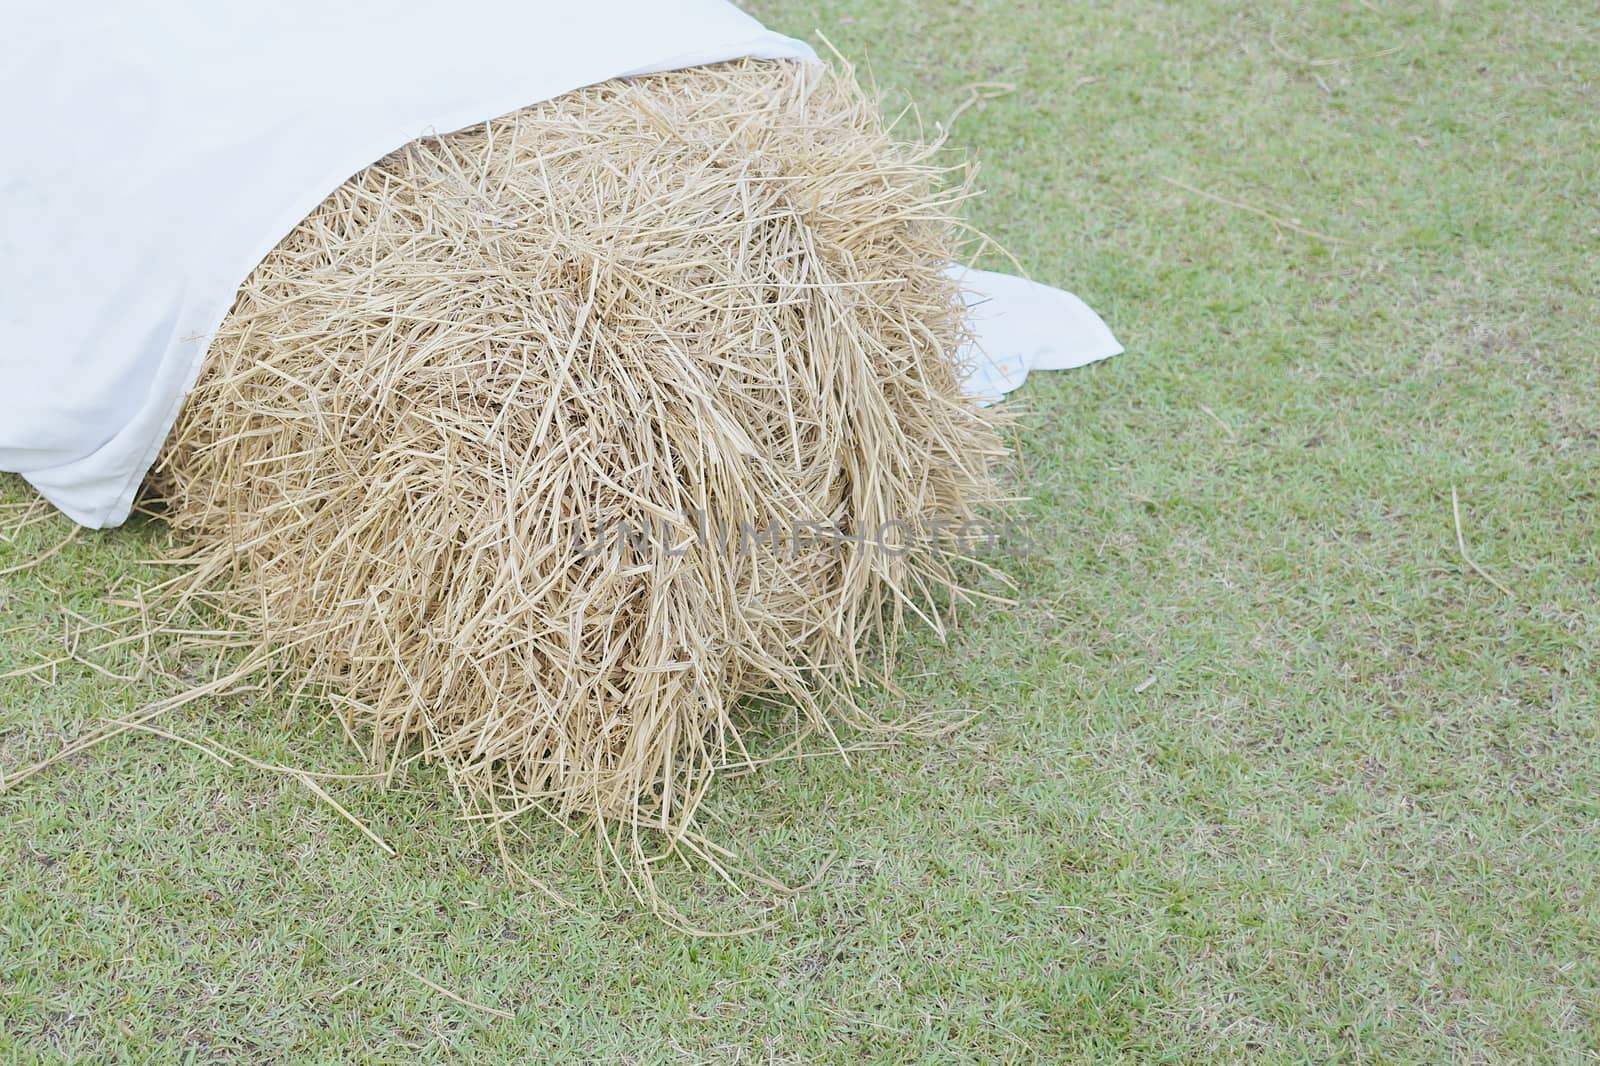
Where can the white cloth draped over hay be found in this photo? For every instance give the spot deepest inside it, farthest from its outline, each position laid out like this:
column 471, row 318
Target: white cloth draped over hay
column 156, row 153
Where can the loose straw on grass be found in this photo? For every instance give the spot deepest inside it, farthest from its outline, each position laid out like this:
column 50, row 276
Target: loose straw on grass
column 457, row 997
column 1461, row 546
column 1277, row 220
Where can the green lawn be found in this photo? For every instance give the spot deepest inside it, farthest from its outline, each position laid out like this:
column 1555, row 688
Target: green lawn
column 1355, row 816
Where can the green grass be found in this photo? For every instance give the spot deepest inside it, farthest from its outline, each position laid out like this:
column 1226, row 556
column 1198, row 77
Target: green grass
column 1357, row 814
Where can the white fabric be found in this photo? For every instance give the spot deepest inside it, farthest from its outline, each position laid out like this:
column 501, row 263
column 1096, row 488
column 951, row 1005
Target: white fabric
column 155, row 152
column 1020, row 325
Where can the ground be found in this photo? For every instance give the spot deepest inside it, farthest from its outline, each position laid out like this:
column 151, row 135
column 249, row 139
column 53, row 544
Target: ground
column 1264, row 768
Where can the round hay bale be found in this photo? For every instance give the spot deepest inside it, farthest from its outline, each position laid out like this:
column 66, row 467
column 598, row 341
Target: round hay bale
column 507, row 444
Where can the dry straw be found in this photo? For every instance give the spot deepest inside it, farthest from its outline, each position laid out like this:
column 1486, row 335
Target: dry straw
column 696, row 304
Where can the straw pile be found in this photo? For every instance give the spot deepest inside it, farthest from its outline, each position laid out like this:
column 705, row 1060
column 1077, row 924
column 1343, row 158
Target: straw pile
column 695, row 306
